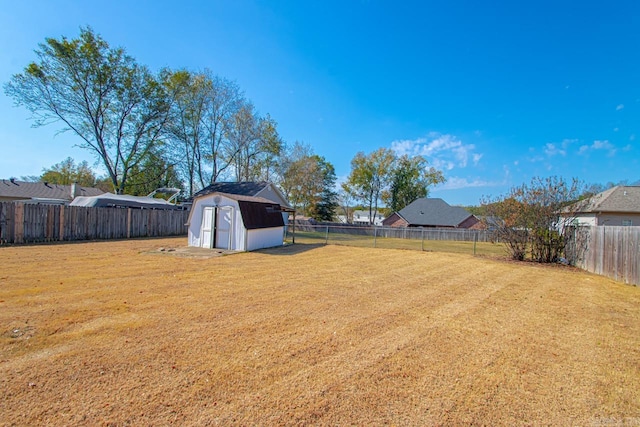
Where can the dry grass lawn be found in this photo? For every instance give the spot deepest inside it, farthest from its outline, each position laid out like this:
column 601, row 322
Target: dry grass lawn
column 107, row 333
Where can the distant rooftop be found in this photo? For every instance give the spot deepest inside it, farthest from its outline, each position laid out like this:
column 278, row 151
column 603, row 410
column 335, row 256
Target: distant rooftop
column 622, row 198
column 12, row 189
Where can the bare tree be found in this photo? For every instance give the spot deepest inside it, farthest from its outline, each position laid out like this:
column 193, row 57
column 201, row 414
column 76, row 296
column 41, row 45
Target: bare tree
column 535, row 218
column 116, row 106
column 201, row 120
column 253, row 143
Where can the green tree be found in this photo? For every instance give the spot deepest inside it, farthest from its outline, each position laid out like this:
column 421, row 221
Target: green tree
column 411, row 178
column 101, row 94
column 152, row 173
column 370, row 177
column 67, row 172
column 327, row 201
column 307, row 181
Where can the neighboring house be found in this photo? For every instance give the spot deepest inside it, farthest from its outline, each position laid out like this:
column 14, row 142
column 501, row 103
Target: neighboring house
column 619, row 205
column 43, row 192
column 426, row 212
column 240, row 216
column 235, row 222
column 362, row 217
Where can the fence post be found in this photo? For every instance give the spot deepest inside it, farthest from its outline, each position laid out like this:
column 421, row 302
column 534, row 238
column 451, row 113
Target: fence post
column 326, row 236
column 128, row 223
column 19, row 223
column 61, row 228
column 422, row 240
column 375, row 237
column 475, row 240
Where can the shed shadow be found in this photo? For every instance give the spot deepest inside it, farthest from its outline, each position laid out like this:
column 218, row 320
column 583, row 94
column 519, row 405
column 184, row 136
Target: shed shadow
column 291, row 248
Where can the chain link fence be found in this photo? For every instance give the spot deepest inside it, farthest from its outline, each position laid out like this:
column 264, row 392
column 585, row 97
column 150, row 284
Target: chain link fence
column 474, row 242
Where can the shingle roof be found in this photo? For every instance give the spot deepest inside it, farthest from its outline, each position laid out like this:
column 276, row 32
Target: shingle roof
column 41, row 190
column 617, row 199
column 433, row 212
column 239, row 188
column 243, row 198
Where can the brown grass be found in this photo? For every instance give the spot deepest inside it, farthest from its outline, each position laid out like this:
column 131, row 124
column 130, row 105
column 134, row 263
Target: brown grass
column 111, row 334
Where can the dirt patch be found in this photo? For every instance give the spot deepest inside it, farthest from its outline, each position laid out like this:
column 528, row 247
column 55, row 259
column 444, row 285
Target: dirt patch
column 309, row 335
column 191, row 252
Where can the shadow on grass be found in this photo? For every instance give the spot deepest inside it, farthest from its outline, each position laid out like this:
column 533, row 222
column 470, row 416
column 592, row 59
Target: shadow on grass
column 291, row 248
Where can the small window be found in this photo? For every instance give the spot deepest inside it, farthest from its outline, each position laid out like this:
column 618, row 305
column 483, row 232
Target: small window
column 627, row 222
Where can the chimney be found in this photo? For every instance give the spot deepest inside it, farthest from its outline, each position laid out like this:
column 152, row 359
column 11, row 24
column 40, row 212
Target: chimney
column 75, row 190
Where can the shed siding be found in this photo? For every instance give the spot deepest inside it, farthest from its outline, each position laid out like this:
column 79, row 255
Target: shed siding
column 264, row 238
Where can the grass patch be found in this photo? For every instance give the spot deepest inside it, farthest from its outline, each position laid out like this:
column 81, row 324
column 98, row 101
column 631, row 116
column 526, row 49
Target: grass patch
column 365, row 241
column 111, row 333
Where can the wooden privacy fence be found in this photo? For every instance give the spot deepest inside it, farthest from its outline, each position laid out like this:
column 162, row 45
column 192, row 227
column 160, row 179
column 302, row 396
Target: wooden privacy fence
column 609, row 251
column 32, row 223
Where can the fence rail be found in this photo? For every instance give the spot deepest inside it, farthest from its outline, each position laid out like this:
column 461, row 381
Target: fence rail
column 33, row 223
column 609, row 251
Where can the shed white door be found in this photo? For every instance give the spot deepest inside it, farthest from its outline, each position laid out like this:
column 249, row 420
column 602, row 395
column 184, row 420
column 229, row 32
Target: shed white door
column 224, row 227
column 208, row 218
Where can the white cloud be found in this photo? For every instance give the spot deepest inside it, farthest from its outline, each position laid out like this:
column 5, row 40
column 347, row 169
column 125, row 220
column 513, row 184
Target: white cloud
column 444, row 151
column 599, row 145
column 619, row 107
column 551, row 150
column 456, row 183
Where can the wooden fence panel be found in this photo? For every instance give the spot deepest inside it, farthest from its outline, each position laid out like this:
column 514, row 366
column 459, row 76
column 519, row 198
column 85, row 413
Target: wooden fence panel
column 32, row 223
column 610, row 251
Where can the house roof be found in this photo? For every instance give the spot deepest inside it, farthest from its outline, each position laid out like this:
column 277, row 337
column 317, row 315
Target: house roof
column 13, row 189
column 433, row 212
column 622, row 198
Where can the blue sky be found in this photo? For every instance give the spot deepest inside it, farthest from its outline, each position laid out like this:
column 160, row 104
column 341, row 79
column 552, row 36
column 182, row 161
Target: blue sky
column 492, row 93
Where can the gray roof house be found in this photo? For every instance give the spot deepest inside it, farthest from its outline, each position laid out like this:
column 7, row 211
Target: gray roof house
column 618, row 205
column 42, row 192
column 432, row 212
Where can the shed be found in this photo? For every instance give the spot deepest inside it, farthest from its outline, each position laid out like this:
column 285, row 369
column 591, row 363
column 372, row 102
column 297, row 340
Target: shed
column 235, row 222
